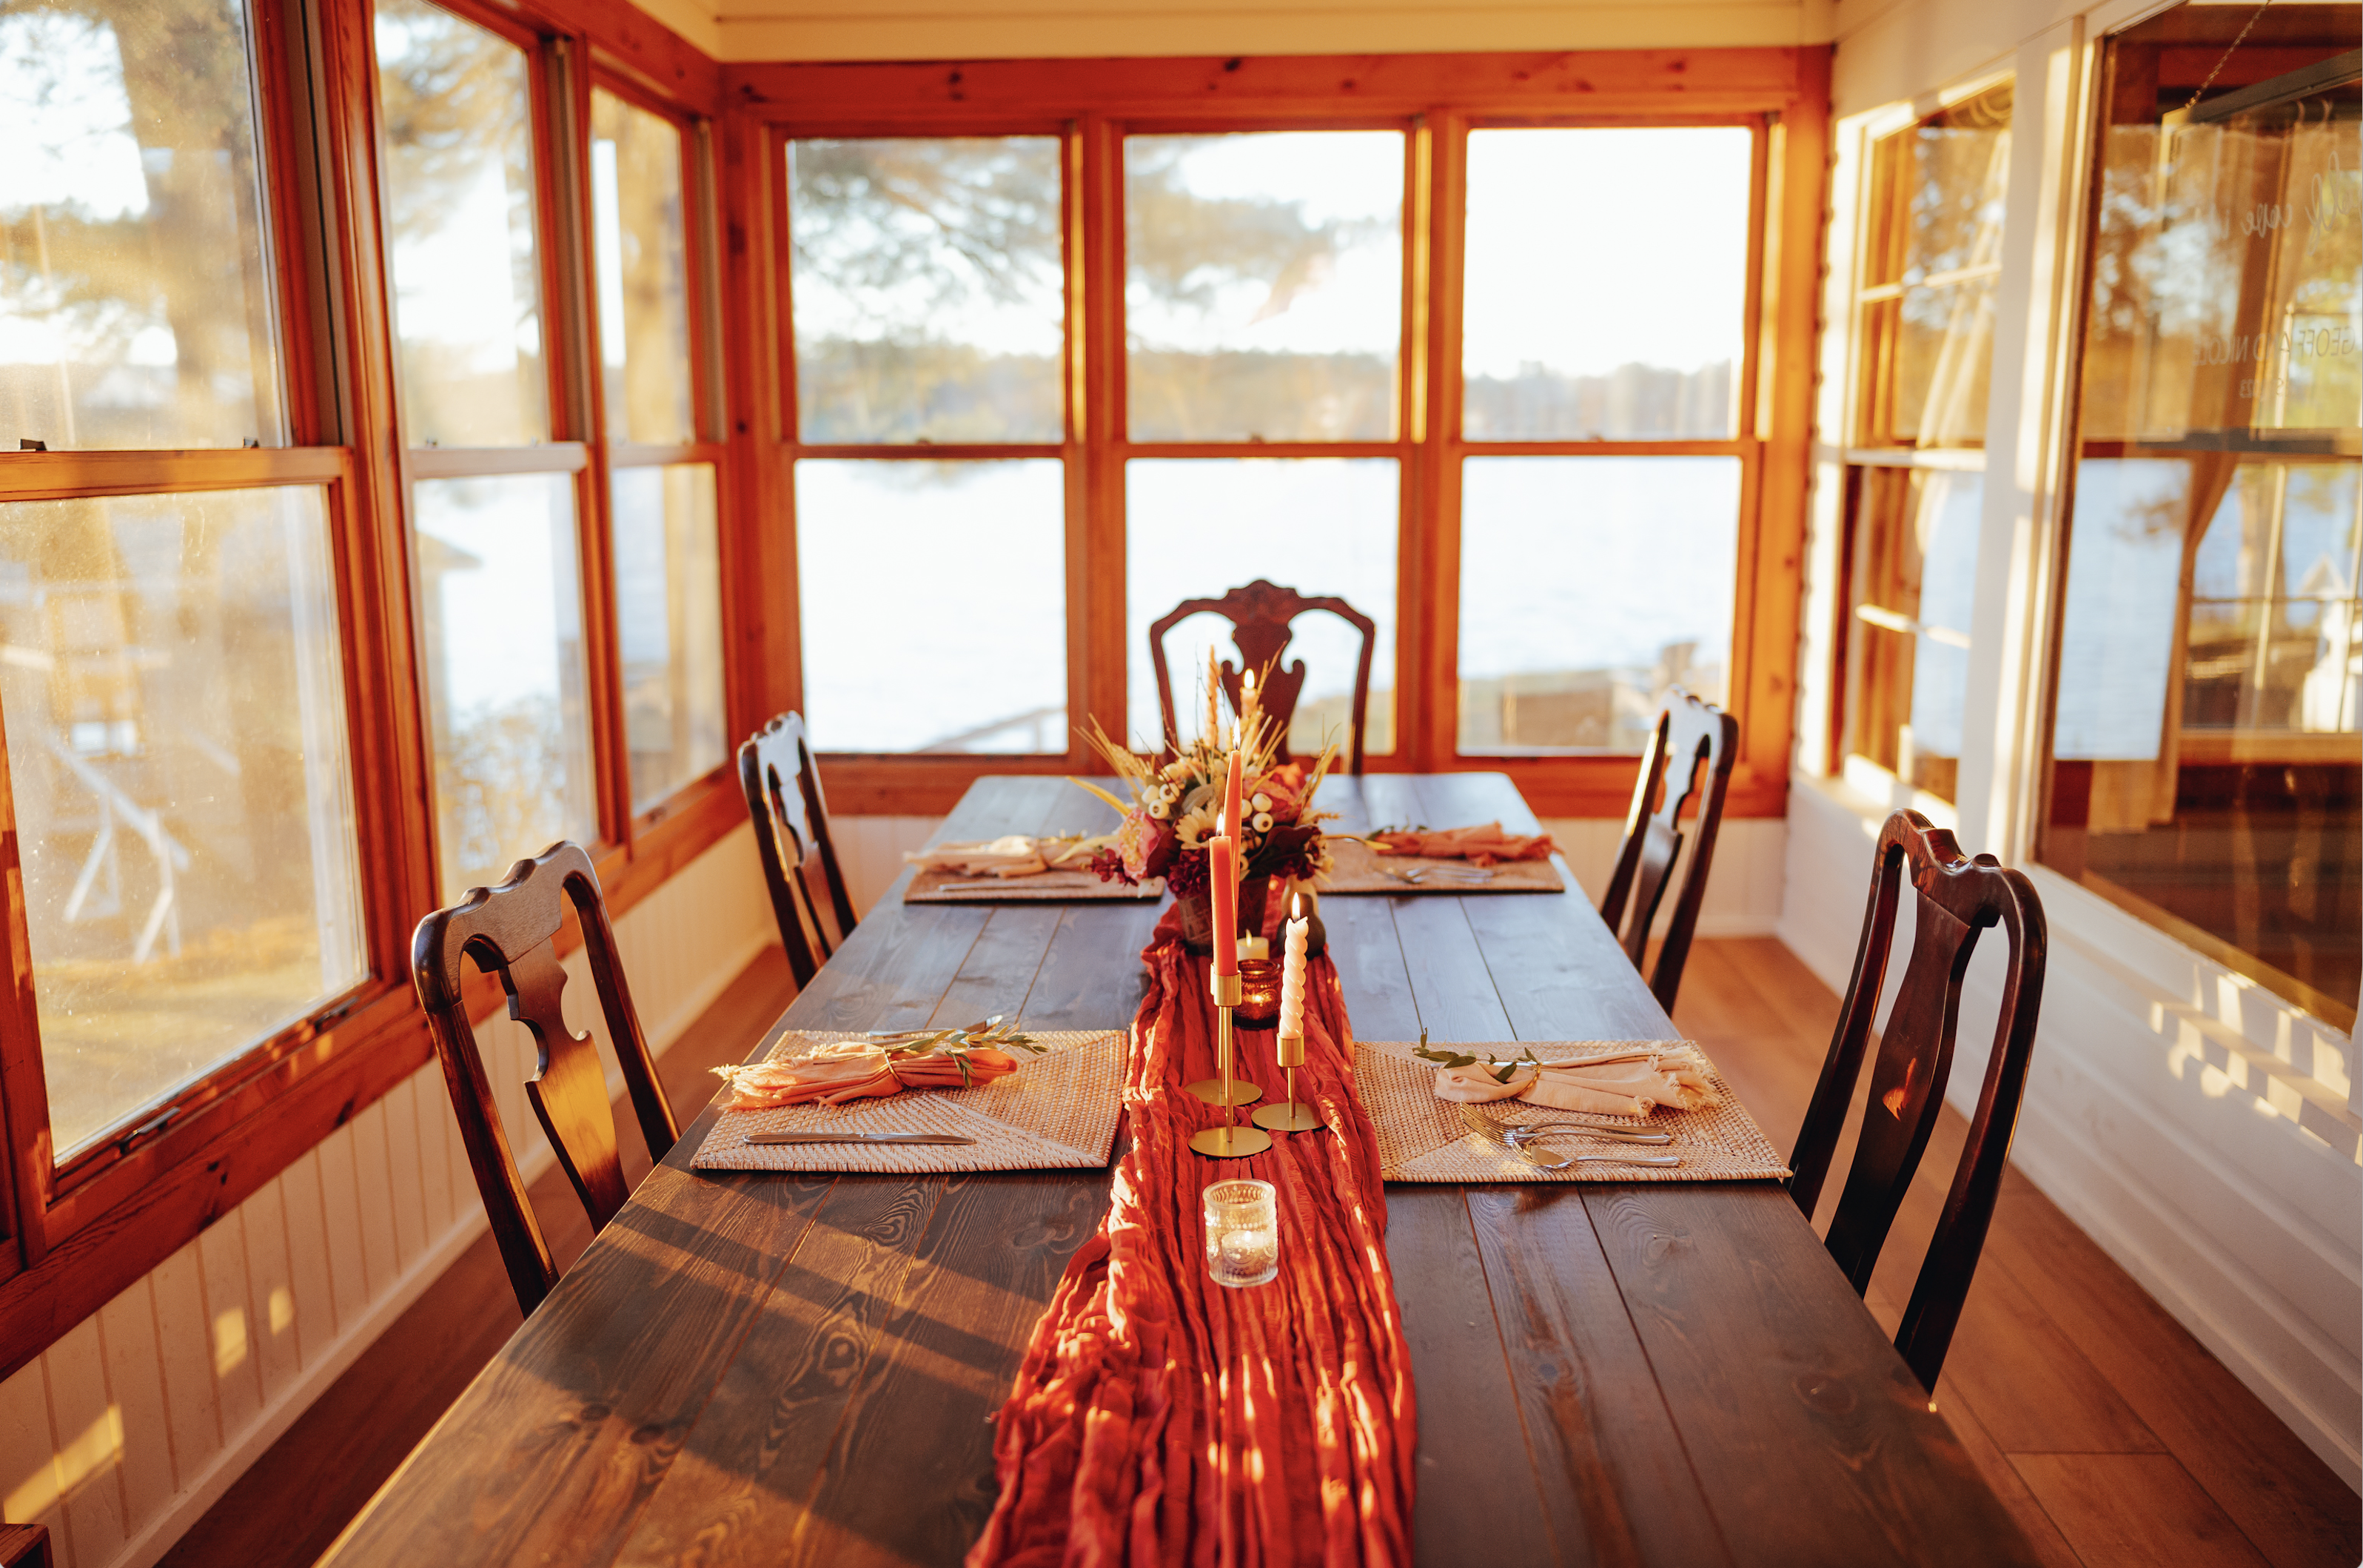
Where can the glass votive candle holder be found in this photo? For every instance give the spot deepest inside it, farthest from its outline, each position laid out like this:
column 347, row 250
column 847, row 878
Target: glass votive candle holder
column 1259, row 1006
column 1242, row 1233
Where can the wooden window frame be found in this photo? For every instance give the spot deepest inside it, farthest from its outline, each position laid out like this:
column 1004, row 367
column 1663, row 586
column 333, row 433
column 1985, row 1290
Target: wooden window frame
column 2090, row 149
column 1436, row 99
column 72, row 1237
column 1876, row 273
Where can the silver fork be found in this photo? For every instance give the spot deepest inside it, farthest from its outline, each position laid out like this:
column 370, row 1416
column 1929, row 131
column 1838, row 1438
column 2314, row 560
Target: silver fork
column 1579, row 1129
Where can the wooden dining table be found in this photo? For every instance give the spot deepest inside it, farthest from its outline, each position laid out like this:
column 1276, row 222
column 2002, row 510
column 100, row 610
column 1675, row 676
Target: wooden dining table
column 759, row 1368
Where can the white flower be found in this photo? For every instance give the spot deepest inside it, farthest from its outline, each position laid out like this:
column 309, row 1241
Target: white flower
column 1159, row 810
column 1261, row 820
column 1193, row 827
column 1261, row 802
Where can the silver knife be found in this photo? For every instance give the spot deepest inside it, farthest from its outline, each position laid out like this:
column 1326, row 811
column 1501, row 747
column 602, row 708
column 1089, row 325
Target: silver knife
column 858, row 1137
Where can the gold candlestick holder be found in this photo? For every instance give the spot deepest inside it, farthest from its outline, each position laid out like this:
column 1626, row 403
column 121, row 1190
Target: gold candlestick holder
column 1223, row 1089
column 1230, row 1140
column 1289, row 1116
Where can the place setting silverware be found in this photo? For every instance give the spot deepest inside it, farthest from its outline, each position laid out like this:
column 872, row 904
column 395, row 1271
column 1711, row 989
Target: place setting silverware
column 1419, row 875
column 1515, row 1139
column 858, row 1138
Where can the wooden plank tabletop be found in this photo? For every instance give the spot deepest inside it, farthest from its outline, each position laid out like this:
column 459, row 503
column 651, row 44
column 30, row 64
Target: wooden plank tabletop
column 776, row 1368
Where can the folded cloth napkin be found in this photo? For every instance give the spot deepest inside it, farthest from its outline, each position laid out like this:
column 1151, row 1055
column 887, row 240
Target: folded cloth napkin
column 856, row 1070
column 1629, row 1086
column 1016, row 855
column 1481, row 845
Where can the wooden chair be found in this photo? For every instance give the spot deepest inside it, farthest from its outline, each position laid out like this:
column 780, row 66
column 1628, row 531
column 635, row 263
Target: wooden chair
column 783, row 784
column 1692, row 748
column 1262, row 615
column 509, row 931
column 25, row 1546
column 1955, row 898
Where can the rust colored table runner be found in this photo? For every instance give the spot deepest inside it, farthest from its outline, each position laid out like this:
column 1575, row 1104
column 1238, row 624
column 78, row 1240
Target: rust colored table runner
column 1161, row 1418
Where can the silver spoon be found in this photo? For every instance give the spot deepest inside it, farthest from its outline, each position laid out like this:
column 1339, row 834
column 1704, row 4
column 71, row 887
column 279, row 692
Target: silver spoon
column 1659, row 1159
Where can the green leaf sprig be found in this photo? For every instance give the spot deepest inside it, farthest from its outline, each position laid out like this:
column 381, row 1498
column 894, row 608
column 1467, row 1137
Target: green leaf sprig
column 1498, row 1068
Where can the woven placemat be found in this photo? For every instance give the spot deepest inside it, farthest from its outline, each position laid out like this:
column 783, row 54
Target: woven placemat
column 1354, row 867
column 1423, row 1138
column 1050, row 886
column 1057, row 1111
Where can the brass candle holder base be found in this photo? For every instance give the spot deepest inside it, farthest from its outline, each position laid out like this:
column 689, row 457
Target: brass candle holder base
column 1289, row 1115
column 1230, row 1140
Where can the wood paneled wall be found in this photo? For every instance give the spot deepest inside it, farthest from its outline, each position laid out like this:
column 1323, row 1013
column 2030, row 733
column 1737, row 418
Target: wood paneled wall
column 122, row 1433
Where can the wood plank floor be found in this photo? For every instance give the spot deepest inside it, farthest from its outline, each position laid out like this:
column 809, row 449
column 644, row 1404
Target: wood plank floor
column 2114, row 1437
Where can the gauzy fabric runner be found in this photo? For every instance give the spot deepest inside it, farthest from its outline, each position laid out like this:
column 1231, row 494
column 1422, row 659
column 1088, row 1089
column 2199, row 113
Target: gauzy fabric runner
column 1161, row 1418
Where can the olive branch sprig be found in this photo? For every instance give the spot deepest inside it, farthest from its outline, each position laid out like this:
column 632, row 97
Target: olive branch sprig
column 1498, row 1068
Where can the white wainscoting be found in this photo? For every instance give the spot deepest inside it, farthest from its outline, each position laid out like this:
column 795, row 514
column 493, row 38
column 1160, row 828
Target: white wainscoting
column 122, row 1434
column 2188, row 1122
column 1743, row 892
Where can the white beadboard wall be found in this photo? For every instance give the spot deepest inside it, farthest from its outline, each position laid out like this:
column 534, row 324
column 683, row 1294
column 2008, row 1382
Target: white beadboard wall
column 1743, row 892
column 122, row 1434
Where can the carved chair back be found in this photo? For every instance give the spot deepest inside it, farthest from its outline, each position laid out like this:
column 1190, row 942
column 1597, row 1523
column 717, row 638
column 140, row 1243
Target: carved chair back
column 509, row 931
column 1262, row 616
column 783, row 785
column 1954, row 899
column 1690, row 751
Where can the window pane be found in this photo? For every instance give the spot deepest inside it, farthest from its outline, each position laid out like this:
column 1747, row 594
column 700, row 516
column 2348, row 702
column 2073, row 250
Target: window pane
column 1325, row 526
column 1914, row 577
column 935, row 605
column 135, row 297
column 1935, row 252
column 502, row 607
column 641, row 249
column 668, row 623
column 458, row 180
column 1594, row 304
column 2205, row 772
column 1263, row 285
column 1589, row 587
column 927, row 289
column 174, row 692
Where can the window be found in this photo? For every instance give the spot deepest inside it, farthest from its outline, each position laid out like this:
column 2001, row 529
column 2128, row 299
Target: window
column 271, row 684
column 135, row 303
column 171, row 680
column 1263, row 309
column 1923, row 315
column 930, row 486
column 2204, row 769
column 1068, row 352
column 493, row 497
column 174, row 651
column 663, row 513
column 1598, row 567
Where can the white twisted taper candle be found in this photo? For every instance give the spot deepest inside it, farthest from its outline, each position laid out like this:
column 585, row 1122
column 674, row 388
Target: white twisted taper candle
column 1292, row 974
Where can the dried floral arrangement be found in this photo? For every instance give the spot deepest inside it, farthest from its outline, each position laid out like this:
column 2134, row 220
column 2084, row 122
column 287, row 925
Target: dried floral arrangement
column 1175, row 805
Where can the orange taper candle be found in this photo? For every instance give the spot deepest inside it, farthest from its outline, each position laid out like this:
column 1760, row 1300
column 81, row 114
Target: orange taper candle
column 1222, row 897
column 1231, row 782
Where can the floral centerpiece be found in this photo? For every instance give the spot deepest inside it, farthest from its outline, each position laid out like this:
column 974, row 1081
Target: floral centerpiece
column 1176, row 807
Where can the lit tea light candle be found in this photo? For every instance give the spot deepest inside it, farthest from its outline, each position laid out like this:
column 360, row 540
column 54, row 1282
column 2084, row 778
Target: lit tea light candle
column 1242, row 1233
